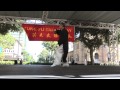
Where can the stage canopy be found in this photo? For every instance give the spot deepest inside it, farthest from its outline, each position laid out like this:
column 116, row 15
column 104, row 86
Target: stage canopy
column 94, row 16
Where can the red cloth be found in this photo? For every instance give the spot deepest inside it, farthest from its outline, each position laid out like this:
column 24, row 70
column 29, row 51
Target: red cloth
column 45, row 32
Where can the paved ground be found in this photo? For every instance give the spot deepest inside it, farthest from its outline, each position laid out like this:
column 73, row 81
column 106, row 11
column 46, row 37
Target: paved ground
column 45, row 71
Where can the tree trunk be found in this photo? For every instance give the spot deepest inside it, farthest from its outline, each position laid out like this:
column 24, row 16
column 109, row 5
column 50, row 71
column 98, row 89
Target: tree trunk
column 91, row 55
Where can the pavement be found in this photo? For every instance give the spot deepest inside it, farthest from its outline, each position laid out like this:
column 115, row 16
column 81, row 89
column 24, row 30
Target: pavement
column 58, row 72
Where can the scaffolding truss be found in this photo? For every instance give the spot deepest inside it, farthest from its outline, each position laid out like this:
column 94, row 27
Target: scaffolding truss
column 113, row 28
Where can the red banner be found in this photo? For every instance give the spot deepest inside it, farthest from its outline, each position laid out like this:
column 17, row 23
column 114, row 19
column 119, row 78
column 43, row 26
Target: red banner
column 45, row 32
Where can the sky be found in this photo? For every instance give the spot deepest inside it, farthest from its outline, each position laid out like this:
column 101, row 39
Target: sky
column 36, row 47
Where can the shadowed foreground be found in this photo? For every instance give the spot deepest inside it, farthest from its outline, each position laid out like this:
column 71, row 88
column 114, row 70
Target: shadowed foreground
column 45, row 71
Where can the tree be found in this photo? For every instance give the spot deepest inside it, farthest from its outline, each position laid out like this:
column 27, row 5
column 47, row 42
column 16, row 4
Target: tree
column 7, row 41
column 26, row 56
column 43, row 55
column 2, row 55
column 5, row 28
column 50, row 46
column 92, row 38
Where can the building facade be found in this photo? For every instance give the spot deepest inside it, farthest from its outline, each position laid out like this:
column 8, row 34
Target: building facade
column 14, row 53
column 80, row 54
column 21, row 37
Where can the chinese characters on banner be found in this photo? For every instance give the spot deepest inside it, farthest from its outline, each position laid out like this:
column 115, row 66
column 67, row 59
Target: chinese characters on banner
column 45, row 32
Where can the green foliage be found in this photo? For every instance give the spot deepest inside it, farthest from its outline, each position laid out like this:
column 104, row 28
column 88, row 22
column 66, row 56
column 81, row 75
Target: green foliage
column 2, row 55
column 92, row 38
column 5, row 28
column 26, row 56
column 29, row 58
column 44, row 57
column 50, row 46
column 7, row 41
column 6, row 62
column 44, row 54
